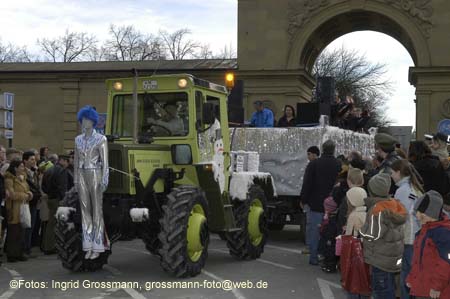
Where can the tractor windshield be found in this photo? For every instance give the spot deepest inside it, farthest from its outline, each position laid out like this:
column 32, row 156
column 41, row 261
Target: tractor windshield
column 160, row 114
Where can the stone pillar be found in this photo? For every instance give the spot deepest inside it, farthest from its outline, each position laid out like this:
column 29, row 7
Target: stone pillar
column 71, row 93
column 432, row 97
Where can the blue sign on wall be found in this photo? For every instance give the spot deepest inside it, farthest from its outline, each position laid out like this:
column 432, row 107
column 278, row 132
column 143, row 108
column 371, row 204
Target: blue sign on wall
column 444, row 126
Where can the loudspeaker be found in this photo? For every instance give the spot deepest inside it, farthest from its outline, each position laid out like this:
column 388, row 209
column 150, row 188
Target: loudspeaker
column 235, row 114
column 325, row 89
column 308, row 113
column 236, row 96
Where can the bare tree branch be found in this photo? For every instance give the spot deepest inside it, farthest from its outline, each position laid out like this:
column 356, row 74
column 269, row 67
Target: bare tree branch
column 128, row 44
column 11, row 53
column 178, row 45
column 72, row 46
column 355, row 75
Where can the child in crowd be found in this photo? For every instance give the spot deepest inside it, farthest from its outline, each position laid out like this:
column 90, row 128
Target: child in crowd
column 356, row 219
column 383, row 236
column 328, row 234
column 357, row 211
column 430, row 270
column 355, row 178
column 409, row 190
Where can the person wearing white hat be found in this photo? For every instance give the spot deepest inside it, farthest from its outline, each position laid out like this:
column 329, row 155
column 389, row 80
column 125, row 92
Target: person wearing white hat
column 357, row 209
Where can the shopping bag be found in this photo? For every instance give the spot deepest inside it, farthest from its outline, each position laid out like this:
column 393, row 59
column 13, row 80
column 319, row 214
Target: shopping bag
column 25, row 216
column 355, row 275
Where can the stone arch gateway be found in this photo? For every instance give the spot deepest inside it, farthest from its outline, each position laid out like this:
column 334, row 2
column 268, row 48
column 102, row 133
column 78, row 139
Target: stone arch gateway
column 278, row 42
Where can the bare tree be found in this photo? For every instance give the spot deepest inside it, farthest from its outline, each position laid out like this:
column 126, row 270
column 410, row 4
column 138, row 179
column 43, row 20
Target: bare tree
column 72, row 46
column 356, row 76
column 227, row 52
column 128, row 44
column 178, row 45
column 11, row 53
column 204, row 52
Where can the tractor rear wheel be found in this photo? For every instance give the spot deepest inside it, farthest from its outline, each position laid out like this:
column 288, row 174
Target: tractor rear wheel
column 184, row 235
column 250, row 215
column 68, row 237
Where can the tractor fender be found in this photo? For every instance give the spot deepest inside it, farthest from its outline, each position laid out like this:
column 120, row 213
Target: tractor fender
column 241, row 182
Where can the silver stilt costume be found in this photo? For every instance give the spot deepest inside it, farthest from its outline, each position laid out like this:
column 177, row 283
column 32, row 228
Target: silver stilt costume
column 91, row 177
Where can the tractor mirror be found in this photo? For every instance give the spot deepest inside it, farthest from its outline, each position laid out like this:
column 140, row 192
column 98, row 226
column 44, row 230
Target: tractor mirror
column 181, row 154
column 208, row 114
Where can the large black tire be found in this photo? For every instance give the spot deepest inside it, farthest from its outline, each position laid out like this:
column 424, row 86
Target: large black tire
column 173, row 252
column 239, row 242
column 275, row 226
column 68, row 234
column 150, row 232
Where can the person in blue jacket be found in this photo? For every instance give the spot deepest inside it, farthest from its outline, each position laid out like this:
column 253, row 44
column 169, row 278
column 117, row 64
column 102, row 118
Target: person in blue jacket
column 262, row 117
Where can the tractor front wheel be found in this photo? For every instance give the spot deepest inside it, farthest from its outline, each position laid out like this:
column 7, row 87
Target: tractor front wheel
column 184, row 235
column 250, row 215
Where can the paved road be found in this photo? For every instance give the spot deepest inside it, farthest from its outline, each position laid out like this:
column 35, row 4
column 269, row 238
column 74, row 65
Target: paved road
column 282, row 267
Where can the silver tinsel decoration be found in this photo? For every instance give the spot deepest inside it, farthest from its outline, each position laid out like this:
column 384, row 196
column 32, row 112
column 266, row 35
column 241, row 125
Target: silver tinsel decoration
column 283, row 150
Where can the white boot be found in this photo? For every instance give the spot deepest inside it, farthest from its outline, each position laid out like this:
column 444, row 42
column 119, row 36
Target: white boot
column 88, row 255
column 94, row 255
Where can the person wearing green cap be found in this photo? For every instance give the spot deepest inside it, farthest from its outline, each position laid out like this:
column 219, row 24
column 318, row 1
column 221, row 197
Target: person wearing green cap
column 385, row 147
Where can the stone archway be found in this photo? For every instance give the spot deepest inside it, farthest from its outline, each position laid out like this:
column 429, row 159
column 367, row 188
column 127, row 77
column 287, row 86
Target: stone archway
column 281, row 41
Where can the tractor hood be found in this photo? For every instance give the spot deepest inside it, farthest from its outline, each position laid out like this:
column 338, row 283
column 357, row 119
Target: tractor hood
column 124, row 158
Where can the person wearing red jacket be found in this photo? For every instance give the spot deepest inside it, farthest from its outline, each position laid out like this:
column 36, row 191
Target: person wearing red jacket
column 430, row 270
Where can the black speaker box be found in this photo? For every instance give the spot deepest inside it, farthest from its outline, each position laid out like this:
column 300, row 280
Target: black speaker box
column 325, row 89
column 308, row 113
column 236, row 96
column 235, row 114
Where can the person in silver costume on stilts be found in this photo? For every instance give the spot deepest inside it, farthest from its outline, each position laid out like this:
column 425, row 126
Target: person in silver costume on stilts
column 91, row 180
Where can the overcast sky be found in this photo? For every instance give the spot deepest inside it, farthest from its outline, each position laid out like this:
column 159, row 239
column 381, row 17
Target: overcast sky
column 213, row 22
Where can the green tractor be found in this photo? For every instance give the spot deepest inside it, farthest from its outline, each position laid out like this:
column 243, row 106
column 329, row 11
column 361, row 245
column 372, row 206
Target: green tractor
column 170, row 174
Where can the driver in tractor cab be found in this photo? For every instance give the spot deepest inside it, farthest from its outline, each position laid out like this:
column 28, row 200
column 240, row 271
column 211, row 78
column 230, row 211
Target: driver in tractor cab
column 168, row 118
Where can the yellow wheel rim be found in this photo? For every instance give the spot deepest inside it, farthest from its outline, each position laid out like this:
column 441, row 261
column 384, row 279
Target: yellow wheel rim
column 254, row 216
column 195, row 225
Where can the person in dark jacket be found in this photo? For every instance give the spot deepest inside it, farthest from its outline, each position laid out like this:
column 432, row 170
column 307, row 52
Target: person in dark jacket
column 55, row 185
column 318, row 181
column 288, row 119
column 430, row 271
column 385, row 148
column 429, row 168
column 313, row 153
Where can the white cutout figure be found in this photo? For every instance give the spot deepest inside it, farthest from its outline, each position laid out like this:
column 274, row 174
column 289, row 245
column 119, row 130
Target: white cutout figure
column 218, row 160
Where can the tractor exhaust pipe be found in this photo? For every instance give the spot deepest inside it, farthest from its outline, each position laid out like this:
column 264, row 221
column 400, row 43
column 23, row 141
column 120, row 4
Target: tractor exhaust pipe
column 135, row 107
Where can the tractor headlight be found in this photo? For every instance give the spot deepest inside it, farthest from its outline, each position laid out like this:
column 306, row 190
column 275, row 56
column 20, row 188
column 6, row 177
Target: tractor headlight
column 182, row 83
column 118, row 86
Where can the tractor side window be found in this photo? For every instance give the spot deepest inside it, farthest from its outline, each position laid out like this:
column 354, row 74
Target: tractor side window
column 216, row 103
column 198, row 107
column 122, row 116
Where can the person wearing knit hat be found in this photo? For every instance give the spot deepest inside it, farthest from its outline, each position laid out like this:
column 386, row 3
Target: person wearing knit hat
column 379, row 185
column 358, row 211
column 429, row 207
column 383, row 236
column 385, row 146
column 429, row 276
